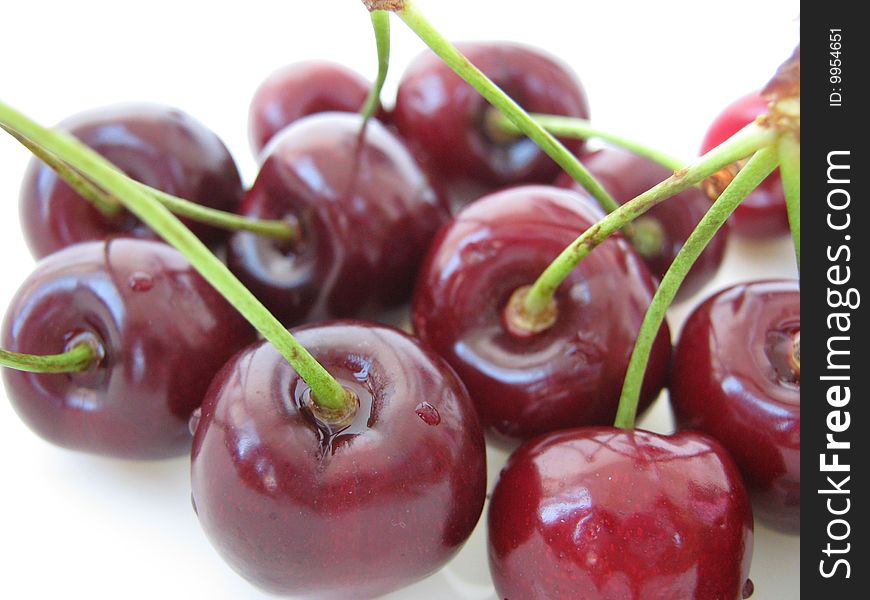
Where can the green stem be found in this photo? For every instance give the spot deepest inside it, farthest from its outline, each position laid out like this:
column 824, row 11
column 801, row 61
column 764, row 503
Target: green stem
column 418, row 23
column 572, row 127
column 106, row 204
column 78, row 358
column 743, row 144
column 327, row 391
column 790, row 169
column 750, row 176
column 381, row 25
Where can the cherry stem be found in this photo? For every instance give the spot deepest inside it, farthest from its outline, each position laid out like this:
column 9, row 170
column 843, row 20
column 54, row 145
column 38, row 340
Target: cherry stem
column 78, row 358
column 744, row 143
column 790, row 169
column 750, row 176
column 109, row 206
column 573, row 127
column 418, row 23
column 381, row 25
column 327, row 391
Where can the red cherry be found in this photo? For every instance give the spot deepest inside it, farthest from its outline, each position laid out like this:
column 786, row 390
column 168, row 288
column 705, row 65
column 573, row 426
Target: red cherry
column 156, row 145
column 567, row 375
column 444, row 118
column 665, row 227
column 763, row 213
column 300, row 508
column 299, row 90
column 162, row 330
column 736, row 376
column 366, row 214
column 604, row 513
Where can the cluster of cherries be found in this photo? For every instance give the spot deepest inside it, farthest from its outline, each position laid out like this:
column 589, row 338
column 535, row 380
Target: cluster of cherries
column 385, row 495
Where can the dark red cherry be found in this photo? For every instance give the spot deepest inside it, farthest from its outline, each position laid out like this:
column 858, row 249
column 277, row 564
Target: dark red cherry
column 605, row 514
column 445, row 119
column 162, row 331
column 156, row 145
column 297, row 507
column 571, row 373
column 736, row 376
column 763, row 213
column 366, row 214
column 299, row 90
column 661, row 231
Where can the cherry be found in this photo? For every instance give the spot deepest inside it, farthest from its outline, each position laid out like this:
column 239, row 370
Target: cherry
column 736, row 376
column 570, row 373
column 298, row 506
column 156, row 145
column 161, row 331
column 604, row 513
column 299, row 90
column 661, row 231
column 443, row 118
column 763, row 213
column 366, row 214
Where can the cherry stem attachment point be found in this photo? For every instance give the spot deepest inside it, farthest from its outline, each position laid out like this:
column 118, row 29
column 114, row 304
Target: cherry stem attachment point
column 750, row 176
column 504, row 103
column 744, row 143
column 79, row 358
column 327, row 390
column 381, row 25
column 110, row 207
column 790, row 170
column 576, row 128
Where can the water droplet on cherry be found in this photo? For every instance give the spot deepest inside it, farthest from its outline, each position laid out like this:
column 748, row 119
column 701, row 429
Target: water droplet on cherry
column 193, row 422
column 748, row 589
column 140, row 281
column 428, row 413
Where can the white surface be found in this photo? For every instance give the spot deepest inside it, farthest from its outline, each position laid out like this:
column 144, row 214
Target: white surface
column 75, row 526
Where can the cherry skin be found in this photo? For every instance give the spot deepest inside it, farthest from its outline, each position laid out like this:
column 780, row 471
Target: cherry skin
column 605, row 514
column 366, row 215
column 299, row 90
column 162, row 332
column 571, row 373
column 737, row 378
column 763, row 213
column 443, row 118
column 156, row 145
column 663, row 229
column 300, row 508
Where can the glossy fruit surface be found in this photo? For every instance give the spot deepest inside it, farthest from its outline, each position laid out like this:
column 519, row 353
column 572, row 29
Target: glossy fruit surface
column 663, row 229
column 299, row 90
column 762, row 214
column 607, row 514
column 297, row 508
column 568, row 375
column 444, row 118
column 734, row 377
column 156, row 145
column 163, row 333
column 365, row 210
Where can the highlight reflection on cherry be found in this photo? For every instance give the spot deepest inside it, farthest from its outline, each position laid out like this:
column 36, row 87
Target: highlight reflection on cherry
column 297, row 508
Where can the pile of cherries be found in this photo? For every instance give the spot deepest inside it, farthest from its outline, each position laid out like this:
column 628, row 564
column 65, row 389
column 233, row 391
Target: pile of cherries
column 385, row 495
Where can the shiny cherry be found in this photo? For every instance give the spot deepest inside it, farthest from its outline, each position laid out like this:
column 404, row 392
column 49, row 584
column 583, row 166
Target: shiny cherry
column 299, row 90
column 571, row 373
column 606, row 514
column 736, row 376
column 661, row 231
column 763, row 213
column 366, row 215
column 162, row 332
column 299, row 507
column 445, row 119
column 156, row 145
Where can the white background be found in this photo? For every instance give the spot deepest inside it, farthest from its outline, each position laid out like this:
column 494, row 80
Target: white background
column 76, row 526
